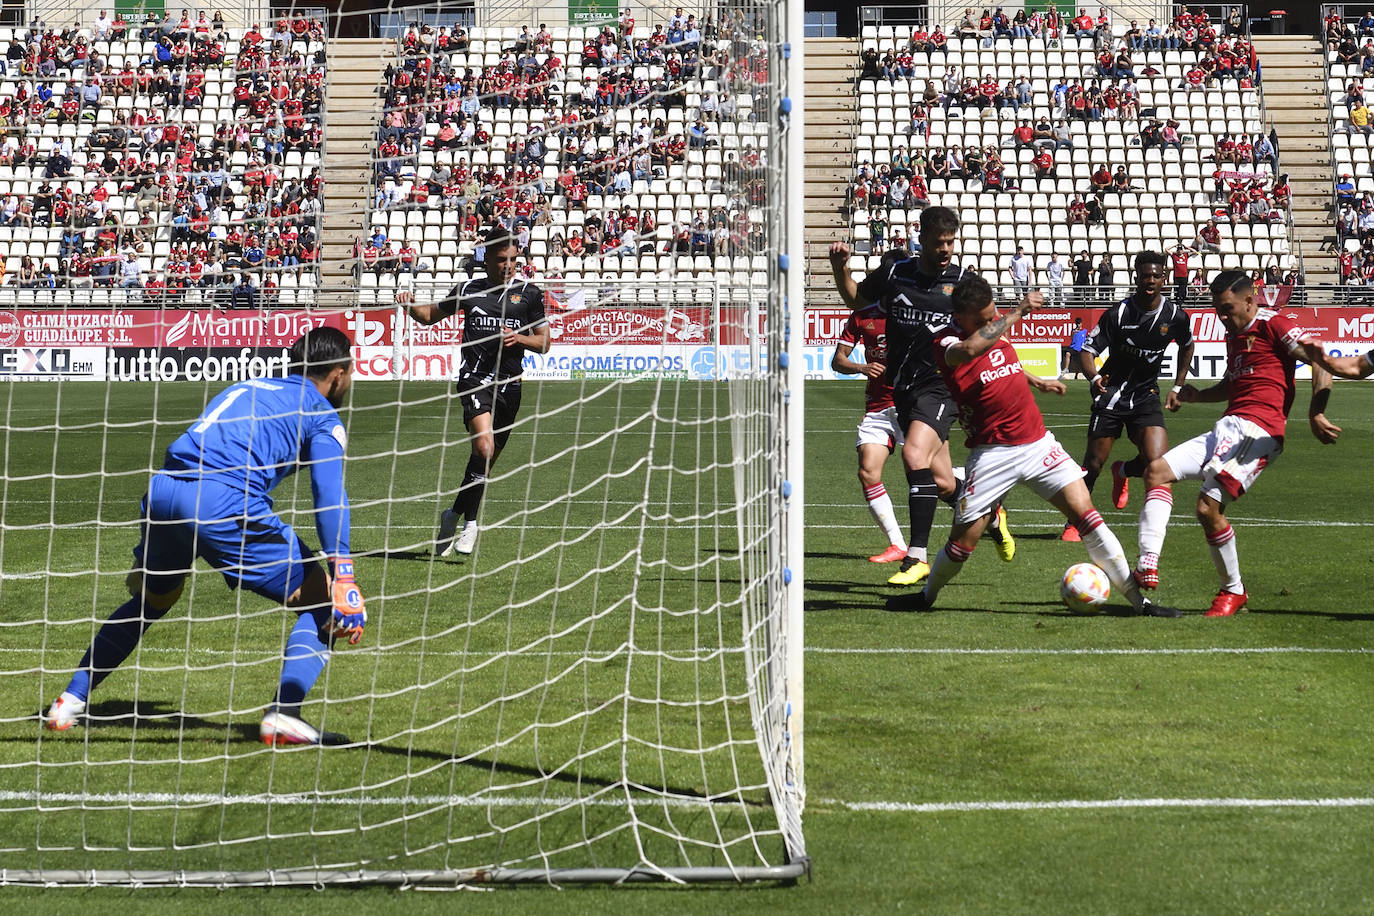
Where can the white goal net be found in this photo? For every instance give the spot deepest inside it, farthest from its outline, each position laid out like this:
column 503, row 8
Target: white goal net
column 605, row 684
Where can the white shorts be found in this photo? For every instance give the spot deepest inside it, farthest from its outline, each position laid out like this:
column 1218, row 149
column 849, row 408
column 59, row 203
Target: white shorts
column 881, row 428
column 1227, row 460
column 990, row 471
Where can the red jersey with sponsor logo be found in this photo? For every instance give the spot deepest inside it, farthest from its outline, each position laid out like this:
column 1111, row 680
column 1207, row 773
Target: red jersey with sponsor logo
column 868, row 327
column 996, row 406
column 1259, row 367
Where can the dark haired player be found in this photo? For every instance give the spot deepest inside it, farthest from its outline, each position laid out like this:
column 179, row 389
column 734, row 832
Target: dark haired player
column 1262, row 351
column 502, row 318
column 210, row 500
column 915, row 293
column 1125, row 394
column 1009, row 444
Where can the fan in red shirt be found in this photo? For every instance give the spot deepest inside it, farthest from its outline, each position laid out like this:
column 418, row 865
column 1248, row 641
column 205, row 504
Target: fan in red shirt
column 1009, row 445
column 879, row 431
column 1263, row 349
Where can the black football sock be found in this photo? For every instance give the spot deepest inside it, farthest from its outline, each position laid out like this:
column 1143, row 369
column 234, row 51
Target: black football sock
column 1090, row 478
column 1134, row 468
column 469, row 498
column 922, row 496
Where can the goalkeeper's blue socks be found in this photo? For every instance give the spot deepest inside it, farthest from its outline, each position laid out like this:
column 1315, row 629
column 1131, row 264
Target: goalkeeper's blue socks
column 304, row 659
column 116, row 641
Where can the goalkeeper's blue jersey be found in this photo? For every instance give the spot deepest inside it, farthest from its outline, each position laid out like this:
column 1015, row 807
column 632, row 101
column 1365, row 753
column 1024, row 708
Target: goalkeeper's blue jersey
column 255, row 434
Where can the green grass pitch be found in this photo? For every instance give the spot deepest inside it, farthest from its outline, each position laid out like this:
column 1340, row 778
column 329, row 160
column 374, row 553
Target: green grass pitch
column 996, row 755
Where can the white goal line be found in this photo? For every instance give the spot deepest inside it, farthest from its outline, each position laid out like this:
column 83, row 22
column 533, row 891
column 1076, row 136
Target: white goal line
column 250, row 655
column 180, row 799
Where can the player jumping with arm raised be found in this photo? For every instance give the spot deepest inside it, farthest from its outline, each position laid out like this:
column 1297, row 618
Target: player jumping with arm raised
column 210, row 499
column 879, row 432
column 502, row 318
column 1010, row 445
column 1262, row 352
column 915, row 293
column 1125, row 394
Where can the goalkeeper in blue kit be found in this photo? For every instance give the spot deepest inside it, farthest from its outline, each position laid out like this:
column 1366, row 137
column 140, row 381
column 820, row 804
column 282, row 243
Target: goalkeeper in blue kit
column 211, row 499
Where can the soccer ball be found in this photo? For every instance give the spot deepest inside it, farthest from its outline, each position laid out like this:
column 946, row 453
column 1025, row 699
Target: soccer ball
column 1085, row 588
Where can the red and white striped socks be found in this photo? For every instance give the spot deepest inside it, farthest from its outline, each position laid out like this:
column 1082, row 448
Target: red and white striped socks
column 1224, row 557
column 1105, row 550
column 945, row 567
column 1154, row 520
column 880, row 505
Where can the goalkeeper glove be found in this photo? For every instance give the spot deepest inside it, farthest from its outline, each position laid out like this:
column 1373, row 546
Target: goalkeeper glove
column 350, row 616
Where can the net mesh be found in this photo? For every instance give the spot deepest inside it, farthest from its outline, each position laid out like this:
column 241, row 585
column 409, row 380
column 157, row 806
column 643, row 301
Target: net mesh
column 599, row 691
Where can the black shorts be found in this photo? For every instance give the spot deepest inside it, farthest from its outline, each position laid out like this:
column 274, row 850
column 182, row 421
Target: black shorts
column 931, row 405
column 1107, row 423
column 502, row 401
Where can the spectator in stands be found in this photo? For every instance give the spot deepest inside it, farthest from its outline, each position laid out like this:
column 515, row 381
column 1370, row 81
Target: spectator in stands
column 1082, row 276
column 1178, row 257
column 1169, row 136
column 1360, row 119
column 1208, row 238
column 1019, row 269
column 1078, row 211
column 1043, row 134
column 1345, row 189
column 1106, row 279
column 244, row 295
column 1044, row 164
column 130, row 272
column 1023, row 135
column 1054, row 274
column 1096, row 210
column 1101, row 179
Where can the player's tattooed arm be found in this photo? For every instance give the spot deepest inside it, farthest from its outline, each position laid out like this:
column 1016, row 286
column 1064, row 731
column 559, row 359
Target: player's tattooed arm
column 998, row 326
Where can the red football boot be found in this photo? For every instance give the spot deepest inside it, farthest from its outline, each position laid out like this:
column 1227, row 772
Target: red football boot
column 891, row 555
column 1070, row 533
column 1227, row 603
column 1121, row 486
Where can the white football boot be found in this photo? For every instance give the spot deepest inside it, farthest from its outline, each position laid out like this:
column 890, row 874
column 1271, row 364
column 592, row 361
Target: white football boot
column 64, row 712
column 467, row 540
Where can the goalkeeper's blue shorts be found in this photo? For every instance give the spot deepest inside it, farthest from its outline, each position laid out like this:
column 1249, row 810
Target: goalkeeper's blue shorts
column 246, row 541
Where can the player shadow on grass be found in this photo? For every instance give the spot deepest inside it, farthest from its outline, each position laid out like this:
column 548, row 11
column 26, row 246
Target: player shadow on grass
column 153, row 717
column 425, row 555
column 1048, row 609
column 1336, row 616
column 856, row 599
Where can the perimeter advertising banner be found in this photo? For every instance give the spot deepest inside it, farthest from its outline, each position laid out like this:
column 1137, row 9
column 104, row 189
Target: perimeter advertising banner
column 608, row 342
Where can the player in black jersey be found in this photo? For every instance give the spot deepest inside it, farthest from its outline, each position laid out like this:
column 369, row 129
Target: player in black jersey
column 916, row 295
column 502, row 318
column 1125, row 394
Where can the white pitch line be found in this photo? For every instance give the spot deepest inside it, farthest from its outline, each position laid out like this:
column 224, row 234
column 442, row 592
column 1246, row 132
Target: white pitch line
column 354, row 801
column 607, row 800
column 248, row 655
column 1098, row 804
column 1214, row 650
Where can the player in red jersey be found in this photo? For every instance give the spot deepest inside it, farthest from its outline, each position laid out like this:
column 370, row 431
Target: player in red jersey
column 879, row 431
column 1262, row 351
column 1010, row 445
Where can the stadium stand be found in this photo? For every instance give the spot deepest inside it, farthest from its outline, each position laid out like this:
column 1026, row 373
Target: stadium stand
column 173, row 160
column 615, row 152
column 1097, row 138
column 1349, row 41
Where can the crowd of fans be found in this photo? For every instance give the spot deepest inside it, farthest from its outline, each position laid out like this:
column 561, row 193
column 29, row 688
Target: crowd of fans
column 146, row 168
column 1244, row 188
column 570, row 153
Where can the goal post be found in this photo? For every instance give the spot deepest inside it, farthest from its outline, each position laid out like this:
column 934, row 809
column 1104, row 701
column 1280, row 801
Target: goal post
column 609, row 688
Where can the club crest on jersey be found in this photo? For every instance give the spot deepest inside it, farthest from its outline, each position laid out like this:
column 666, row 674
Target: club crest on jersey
column 947, row 289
